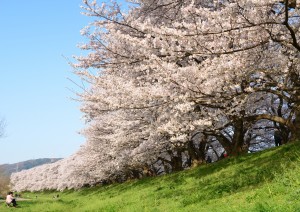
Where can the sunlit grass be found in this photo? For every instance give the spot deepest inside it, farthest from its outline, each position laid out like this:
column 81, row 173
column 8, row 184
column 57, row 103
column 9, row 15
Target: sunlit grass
column 265, row 181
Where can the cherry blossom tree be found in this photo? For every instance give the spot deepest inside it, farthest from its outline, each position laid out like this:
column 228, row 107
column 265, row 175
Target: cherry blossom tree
column 169, row 79
column 195, row 59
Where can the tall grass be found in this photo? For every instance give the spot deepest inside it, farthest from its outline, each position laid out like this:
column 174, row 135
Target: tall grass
column 265, row 181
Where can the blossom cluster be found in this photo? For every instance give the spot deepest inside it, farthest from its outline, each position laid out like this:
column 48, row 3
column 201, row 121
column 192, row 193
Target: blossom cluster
column 174, row 77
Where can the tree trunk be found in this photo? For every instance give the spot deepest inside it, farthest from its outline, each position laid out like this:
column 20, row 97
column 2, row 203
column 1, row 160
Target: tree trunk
column 238, row 138
column 225, row 142
column 295, row 129
column 176, row 161
column 196, row 155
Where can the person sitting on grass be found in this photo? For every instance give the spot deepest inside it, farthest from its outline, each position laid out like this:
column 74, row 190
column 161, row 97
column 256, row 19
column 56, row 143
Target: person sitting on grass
column 10, row 200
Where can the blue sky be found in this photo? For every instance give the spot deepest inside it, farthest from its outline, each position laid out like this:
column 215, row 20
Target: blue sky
column 42, row 120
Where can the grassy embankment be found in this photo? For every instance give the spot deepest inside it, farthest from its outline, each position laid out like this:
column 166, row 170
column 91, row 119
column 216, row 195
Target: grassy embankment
column 265, row 181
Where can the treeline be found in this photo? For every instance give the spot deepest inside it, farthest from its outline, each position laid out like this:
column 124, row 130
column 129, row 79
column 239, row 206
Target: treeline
column 173, row 82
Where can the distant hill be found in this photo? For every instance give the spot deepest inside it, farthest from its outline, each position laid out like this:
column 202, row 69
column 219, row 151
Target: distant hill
column 16, row 167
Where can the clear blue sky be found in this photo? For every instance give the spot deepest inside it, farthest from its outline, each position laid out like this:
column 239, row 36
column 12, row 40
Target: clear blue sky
column 42, row 120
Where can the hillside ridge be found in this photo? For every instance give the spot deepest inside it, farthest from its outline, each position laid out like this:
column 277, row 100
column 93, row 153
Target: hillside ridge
column 262, row 181
column 24, row 165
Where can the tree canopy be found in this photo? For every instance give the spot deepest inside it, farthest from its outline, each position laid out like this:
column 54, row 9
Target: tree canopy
column 172, row 82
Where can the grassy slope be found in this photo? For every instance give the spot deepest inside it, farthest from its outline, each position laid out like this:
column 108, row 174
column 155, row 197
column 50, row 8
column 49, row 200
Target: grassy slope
column 265, row 181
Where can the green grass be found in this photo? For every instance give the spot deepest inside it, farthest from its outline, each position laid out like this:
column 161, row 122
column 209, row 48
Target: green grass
column 264, row 181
